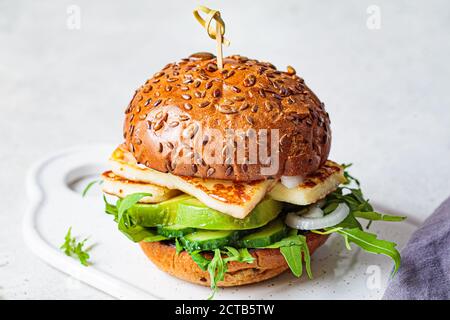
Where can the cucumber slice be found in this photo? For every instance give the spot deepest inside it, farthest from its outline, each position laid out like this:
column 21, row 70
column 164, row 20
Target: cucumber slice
column 174, row 231
column 272, row 232
column 208, row 240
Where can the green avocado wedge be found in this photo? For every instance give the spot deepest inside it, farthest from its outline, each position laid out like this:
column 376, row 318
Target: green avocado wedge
column 189, row 212
column 193, row 213
column 157, row 214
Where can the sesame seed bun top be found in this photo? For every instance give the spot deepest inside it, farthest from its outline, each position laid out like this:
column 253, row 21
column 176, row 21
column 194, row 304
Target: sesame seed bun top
column 192, row 119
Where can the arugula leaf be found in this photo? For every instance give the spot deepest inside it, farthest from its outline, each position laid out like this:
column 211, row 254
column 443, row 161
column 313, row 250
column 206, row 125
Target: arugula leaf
column 178, row 246
column 350, row 229
column 233, row 254
column 67, row 243
column 110, row 208
column 369, row 242
column 293, row 257
column 199, row 259
column 133, row 232
column 330, row 207
column 359, row 206
column 347, row 175
column 126, row 224
column 349, row 222
column 246, row 256
column 286, row 242
column 375, row 216
column 72, row 248
column 154, row 237
column 126, row 203
column 293, row 248
column 217, row 269
column 82, row 255
column 138, row 233
column 307, row 258
column 354, row 199
column 329, row 231
column 89, row 186
column 217, row 266
column 241, row 255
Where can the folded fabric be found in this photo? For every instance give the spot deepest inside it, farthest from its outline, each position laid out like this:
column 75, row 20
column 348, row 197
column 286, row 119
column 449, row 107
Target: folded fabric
column 425, row 270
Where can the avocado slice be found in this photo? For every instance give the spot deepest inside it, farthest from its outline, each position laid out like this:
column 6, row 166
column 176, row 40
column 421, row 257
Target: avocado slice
column 187, row 211
column 193, row 213
column 156, row 214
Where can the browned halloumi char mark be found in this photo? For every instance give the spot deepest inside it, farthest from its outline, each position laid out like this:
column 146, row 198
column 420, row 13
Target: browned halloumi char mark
column 226, row 196
column 324, row 172
column 234, row 198
column 235, row 193
column 121, row 187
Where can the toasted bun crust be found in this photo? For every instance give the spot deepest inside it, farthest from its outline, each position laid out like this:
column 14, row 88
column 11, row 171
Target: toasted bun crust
column 192, row 102
column 268, row 263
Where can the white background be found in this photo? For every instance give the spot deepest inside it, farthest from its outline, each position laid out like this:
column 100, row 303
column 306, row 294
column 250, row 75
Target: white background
column 387, row 92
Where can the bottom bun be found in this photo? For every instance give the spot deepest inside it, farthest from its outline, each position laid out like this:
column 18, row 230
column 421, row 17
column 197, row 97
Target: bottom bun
column 268, row 263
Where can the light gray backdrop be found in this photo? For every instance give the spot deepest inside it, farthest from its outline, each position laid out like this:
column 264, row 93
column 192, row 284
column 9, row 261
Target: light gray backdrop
column 386, row 89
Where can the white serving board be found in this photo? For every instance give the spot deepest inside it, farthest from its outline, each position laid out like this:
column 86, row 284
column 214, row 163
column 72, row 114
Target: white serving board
column 120, row 268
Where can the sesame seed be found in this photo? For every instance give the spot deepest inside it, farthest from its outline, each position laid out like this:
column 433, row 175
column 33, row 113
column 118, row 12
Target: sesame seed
column 210, row 171
column 204, row 104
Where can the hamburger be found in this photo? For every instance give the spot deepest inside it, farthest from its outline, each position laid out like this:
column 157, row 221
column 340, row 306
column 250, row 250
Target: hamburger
column 223, row 177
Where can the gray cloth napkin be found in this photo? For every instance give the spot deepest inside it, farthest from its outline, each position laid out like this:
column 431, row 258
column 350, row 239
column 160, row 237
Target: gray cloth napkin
column 425, row 269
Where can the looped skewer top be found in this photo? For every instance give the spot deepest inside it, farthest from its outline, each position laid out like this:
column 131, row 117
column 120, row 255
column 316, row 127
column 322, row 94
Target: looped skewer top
column 211, row 15
column 216, row 33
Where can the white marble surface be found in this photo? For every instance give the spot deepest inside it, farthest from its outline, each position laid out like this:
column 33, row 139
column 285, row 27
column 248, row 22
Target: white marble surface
column 386, row 91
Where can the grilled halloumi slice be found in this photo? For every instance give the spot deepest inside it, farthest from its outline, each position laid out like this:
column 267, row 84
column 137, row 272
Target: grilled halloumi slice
column 121, row 187
column 233, row 198
column 316, row 186
column 236, row 199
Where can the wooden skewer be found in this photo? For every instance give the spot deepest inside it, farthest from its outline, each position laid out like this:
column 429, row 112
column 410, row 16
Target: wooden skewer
column 219, row 47
column 214, row 33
